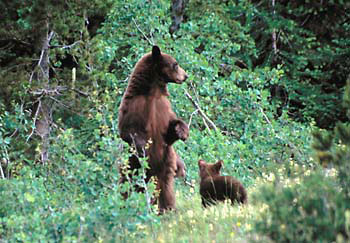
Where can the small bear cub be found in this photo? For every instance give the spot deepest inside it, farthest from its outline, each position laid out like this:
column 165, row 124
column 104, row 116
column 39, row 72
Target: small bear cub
column 215, row 187
column 180, row 168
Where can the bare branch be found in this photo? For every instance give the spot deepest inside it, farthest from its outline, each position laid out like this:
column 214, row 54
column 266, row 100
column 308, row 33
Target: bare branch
column 50, row 92
column 35, row 118
column 44, row 53
column 1, row 171
column 187, row 183
column 265, row 116
column 31, row 76
column 59, row 102
column 189, row 123
column 81, row 92
column 57, row 91
column 138, row 27
column 206, row 119
column 66, row 46
column 205, row 123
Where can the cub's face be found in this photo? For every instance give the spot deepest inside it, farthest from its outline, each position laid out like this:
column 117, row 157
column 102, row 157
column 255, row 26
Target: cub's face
column 206, row 169
column 167, row 67
column 180, row 170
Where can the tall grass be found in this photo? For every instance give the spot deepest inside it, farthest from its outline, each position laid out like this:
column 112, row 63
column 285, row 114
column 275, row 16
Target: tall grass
column 193, row 223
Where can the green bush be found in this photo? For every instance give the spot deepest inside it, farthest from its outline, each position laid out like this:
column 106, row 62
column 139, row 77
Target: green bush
column 75, row 197
column 33, row 211
column 313, row 211
column 318, row 207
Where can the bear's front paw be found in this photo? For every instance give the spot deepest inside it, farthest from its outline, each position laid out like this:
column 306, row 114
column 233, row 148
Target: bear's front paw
column 182, row 131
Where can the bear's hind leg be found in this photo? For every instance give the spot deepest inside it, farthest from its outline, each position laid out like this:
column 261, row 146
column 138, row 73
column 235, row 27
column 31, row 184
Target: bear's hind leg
column 166, row 199
column 165, row 180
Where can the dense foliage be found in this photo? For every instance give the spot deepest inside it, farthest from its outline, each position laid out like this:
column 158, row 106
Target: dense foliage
column 262, row 75
column 318, row 204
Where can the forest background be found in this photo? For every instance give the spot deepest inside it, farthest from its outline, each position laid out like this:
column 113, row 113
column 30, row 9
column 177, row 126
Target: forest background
column 267, row 93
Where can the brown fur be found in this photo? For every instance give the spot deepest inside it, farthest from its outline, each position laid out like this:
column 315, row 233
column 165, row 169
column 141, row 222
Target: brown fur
column 214, row 187
column 145, row 115
column 180, row 168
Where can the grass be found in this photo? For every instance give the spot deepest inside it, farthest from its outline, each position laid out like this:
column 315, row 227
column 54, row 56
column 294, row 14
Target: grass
column 220, row 223
column 111, row 219
column 193, row 223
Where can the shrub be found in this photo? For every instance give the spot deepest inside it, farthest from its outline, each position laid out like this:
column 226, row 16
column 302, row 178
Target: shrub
column 317, row 208
column 313, row 211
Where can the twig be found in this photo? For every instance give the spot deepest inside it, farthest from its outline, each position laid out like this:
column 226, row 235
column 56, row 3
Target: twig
column 268, row 121
column 81, row 92
column 200, row 110
column 56, row 91
column 2, row 172
column 307, row 18
column 277, row 136
column 265, row 116
column 189, row 123
column 35, row 118
column 205, row 124
column 53, row 91
column 60, row 102
column 66, row 46
column 31, row 76
column 187, row 183
column 80, row 231
column 197, row 98
column 149, row 41
column 43, row 52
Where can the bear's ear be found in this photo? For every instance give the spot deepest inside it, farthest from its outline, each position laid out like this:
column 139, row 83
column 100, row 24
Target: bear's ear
column 218, row 165
column 155, row 53
column 201, row 163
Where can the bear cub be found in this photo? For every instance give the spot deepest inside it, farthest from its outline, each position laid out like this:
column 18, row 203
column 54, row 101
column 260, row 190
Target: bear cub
column 215, row 187
column 180, row 168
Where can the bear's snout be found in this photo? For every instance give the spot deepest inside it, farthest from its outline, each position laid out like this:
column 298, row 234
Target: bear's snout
column 182, row 76
column 185, row 77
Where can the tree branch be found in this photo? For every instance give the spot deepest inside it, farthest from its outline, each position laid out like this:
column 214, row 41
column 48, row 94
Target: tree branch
column 2, row 172
column 35, row 118
column 205, row 117
column 138, row 27
column 66, row 46
column 189, row 123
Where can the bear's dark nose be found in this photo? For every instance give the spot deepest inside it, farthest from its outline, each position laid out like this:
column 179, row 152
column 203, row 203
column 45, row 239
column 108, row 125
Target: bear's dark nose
column 186, row 76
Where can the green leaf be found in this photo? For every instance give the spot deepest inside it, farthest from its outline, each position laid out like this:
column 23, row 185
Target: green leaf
column 29, row 197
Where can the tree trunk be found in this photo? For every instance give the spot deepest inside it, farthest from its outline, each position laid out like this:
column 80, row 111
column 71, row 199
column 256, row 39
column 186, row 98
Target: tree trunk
column 177, row 13
column 274, row 40
column 44, row 110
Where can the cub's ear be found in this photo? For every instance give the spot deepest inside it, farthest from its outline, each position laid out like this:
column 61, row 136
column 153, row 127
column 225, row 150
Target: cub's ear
column 201, row 163
column 155, row 53
column 218, row 165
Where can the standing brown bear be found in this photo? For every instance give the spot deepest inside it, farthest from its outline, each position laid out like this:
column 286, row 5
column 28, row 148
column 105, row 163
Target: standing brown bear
column 214, row 187
column 146, row 118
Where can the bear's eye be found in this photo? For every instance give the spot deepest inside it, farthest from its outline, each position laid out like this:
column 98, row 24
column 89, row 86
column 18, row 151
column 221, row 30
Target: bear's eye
column 175, row 66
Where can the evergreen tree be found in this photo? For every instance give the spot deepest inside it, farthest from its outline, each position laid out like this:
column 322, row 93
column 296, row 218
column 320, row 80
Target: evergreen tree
column 333, row 149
